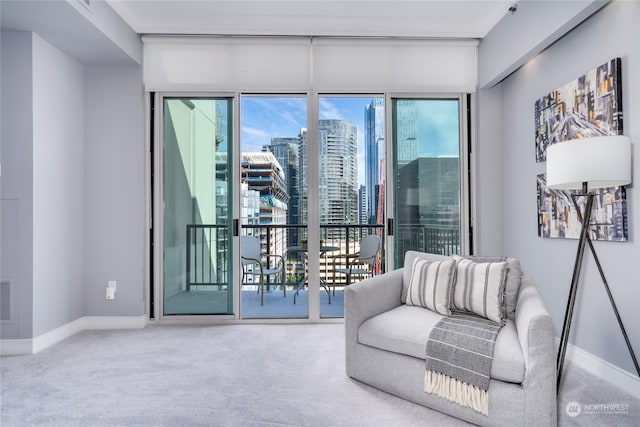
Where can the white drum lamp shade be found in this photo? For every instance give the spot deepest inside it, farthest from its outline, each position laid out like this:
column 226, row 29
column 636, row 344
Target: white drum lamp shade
column 600, row 162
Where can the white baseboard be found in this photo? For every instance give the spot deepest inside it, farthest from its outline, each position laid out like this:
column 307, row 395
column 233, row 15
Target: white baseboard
column 17, row 347
column 56, row 335
column 113, row 322
column 603, row 370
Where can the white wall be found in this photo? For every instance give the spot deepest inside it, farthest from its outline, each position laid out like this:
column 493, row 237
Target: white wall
column 17, row 179
column 612, row 32
column 58, row 187
column 115, row 200
column 488, row 187
column 73, row 198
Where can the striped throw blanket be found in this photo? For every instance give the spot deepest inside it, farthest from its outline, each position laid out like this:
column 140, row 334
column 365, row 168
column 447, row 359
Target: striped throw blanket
column 459, row 355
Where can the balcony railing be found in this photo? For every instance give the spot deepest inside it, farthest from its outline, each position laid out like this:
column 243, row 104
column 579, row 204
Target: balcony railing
column 418, row 237
column 208, row 252
column 208, row 248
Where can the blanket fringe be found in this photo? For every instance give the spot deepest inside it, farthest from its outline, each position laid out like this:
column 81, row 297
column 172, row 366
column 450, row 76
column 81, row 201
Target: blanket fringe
column 457, row 391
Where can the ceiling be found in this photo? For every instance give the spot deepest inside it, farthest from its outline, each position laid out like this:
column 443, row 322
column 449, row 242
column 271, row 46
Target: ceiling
column 92, row 31
column 346, row 18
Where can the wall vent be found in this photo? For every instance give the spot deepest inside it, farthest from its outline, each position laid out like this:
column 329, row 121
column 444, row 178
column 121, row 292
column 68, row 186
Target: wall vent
column 5, row 301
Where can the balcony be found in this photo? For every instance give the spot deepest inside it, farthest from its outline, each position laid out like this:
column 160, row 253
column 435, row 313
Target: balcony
column 208, row 251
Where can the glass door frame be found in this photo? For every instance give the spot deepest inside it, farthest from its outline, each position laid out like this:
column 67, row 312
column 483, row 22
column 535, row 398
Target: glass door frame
column 158, row 116
column 369, row 95
column 465, row 131
column 313, row 205
column 237, row 181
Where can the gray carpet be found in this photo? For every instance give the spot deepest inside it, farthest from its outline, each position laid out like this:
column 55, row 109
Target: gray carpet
column 231, row 375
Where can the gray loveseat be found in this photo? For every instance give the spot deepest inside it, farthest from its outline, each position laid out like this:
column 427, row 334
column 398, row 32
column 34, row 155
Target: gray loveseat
column 386, row 348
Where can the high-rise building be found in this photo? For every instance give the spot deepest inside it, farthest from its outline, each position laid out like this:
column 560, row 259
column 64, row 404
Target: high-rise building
column 362, row 205
column 199, row 197
column 407, row 131
column 338, row 176
column 438, row 204
column 287, row 152
column 431, row 211
column 302, row 177
column 263, row 173
column 374, row 152
column 249, row 205
column 381, row 194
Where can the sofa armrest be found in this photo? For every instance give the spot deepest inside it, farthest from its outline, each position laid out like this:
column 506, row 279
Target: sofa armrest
column 537, row 338
column 370, row 297
column 366, row 299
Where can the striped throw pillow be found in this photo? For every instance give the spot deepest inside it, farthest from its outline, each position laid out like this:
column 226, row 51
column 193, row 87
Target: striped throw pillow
column 431, row 284
column 479, row 288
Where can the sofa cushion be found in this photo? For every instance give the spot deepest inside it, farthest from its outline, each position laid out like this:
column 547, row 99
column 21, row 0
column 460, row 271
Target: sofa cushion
column 512, row 285
column 409, row 258
column 431, row 284
column 479, row 288
column 406, row 329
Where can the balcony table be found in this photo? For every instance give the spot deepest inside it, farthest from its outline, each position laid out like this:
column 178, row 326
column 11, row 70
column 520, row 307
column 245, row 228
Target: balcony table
column 304, row 251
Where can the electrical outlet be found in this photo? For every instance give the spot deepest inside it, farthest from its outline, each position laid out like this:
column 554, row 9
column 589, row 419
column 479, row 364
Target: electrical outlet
column 111, row 289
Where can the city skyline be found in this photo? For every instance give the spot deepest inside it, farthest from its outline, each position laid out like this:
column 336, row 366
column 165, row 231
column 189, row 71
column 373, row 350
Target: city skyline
column 264, row 118
column 429, row 129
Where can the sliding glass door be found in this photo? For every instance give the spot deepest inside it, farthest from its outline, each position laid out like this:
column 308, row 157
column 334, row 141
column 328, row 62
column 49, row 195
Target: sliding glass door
column 273, row 204
column 196, row 206
column 351, row 153
column 429, row 176
column 310, row 181
column 280, row 158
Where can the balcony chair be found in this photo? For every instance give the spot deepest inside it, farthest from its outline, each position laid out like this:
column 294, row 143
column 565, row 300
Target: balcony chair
column 360, row 263
column 251, row 256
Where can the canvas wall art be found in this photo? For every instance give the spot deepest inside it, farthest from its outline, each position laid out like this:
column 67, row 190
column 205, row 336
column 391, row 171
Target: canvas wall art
column 590, row 105
column 558, row 218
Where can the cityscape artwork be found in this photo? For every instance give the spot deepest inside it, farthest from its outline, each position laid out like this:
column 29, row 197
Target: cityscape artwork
column 586, row 107
column 589, row 106
column 558, row 218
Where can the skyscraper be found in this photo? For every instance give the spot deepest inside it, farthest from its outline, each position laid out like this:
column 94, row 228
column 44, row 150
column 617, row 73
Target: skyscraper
column 338, row 176
column 302, row 176
column 287, row 152
column 374, row 152
column 362, row 204
column 263, row 173
column 407, row 131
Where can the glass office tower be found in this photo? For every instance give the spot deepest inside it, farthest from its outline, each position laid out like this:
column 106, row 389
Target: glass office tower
column 338, row 180
column 374, row 153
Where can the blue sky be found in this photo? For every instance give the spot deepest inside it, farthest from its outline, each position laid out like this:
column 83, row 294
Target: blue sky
column 439, row 128
column 264, row 118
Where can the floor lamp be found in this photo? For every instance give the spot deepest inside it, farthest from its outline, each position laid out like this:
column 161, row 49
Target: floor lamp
column 586, row 165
